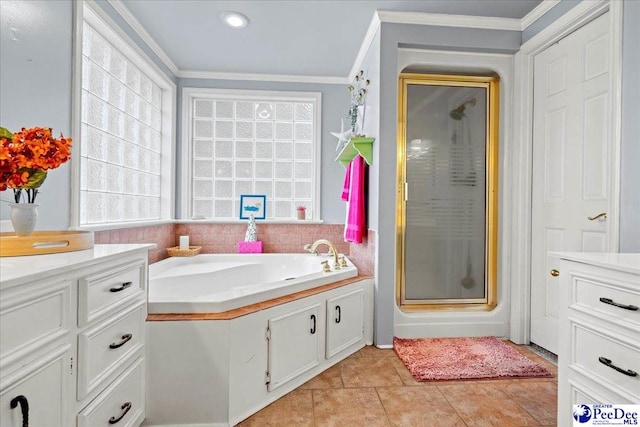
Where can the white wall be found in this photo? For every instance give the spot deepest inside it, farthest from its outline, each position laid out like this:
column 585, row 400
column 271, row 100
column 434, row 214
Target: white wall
column 630, row 144
column 35, row 88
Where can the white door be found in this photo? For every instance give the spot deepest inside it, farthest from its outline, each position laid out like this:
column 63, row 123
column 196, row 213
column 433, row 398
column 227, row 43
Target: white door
column 345, row 322
column 294, row 344
column 571, row 128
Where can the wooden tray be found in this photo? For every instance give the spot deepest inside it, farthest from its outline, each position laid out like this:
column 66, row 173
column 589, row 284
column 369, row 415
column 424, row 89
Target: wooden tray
column 45, row 242
column 176, row 251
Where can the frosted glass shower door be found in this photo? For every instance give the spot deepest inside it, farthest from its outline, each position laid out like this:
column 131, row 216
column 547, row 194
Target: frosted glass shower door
column 446, row 148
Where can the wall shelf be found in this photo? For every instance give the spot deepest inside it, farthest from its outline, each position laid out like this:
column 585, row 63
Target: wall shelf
column 356, row 145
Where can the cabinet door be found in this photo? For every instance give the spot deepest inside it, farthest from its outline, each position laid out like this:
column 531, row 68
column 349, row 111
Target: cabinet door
column 345, row 321
column 294, row 344
column 42, row 388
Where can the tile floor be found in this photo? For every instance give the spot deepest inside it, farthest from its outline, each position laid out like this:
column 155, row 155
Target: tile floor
column 373, row 388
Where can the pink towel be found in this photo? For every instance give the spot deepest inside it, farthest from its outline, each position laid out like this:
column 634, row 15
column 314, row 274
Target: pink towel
column 354, row 227
column 347, row 183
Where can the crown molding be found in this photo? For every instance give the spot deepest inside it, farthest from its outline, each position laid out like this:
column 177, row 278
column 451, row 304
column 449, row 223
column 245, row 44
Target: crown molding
column 536, row 13
column 379, row 17
column 374, row 26
column 440, row 20
column 126, row 14
column 443, row 20
column 287, row 78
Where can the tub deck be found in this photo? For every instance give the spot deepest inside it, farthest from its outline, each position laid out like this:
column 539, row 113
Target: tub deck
column 252, row 308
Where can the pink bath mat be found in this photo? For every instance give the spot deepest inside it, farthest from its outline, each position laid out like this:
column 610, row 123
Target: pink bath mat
column 464, row 358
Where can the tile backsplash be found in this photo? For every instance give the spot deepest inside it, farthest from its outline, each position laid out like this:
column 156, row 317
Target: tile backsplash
column 224, row 238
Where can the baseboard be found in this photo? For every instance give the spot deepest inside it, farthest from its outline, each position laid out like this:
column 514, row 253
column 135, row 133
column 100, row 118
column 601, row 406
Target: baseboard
column 384, row 346
column 424, row 329
column 190, row 425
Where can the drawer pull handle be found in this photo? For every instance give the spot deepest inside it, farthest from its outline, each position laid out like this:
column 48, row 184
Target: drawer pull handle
column 125, row 338
column 612, row 302
column 555, row 273
column 339, row 310
column 313, row 324
column 125, row 408
column 122, row 287
column 24, row 407
column 627, row 372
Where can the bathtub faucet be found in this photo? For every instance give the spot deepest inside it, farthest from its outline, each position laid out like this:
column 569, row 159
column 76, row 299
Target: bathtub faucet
column 313, row 248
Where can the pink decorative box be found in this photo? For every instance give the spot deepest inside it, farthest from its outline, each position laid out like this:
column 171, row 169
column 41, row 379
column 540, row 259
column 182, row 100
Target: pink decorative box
column 250, row 247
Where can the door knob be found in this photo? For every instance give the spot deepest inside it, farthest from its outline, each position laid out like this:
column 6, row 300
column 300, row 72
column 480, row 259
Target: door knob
column 602, row 215
column 555, row 273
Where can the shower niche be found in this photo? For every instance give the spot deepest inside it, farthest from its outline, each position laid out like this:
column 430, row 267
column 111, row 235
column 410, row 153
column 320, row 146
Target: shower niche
column 447, row 192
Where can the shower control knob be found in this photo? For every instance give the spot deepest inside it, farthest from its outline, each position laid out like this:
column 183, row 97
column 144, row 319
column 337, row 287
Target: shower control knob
column 555, row 273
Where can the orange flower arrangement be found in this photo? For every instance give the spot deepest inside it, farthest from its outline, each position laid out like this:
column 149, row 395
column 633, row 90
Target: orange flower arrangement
column 25, row 158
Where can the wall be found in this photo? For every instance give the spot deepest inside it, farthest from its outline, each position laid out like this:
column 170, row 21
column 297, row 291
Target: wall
column 35, row 81
column 394, row 36
column 549, row 18
column 335, row 105
column 363, row 255
column 630, row 144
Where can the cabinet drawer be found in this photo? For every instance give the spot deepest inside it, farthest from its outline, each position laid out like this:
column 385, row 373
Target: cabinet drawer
column 106, row 291
column 121, row 404
column 590, row 346
column 587, row 295
column 104, row 349
column 44, row 391
column 32, row 319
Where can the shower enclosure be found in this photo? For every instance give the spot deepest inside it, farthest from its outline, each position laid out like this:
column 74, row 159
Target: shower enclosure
column 447, row 192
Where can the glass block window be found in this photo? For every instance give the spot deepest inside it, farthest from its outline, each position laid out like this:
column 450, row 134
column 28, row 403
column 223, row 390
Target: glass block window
column 121, row 141
column 263, row 144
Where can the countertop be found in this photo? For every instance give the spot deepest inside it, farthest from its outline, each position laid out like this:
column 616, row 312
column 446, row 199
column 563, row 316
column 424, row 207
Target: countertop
column 20, row 269
column 627, row 262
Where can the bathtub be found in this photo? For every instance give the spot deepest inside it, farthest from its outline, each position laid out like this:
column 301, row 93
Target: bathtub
column 213, row 283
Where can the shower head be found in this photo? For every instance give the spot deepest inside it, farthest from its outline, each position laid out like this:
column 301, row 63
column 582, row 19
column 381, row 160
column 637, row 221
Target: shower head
column 458, row 113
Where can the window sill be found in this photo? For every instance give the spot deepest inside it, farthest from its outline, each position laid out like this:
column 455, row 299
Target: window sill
column 122, row 226
column 244, row 221
column 125, row 225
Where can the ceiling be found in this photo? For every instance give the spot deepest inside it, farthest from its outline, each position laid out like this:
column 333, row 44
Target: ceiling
column 295, row 37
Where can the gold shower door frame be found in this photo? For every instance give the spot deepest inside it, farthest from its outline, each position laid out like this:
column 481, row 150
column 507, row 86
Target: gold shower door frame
column 491, row 84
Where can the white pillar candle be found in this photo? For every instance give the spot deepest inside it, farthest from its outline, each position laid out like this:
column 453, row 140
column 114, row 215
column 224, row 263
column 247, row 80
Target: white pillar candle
column 184, row 242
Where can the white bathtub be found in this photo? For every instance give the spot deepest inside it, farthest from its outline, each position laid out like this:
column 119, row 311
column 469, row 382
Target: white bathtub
column 214, row 283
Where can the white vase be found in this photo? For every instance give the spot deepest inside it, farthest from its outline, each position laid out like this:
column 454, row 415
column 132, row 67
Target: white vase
column 24, row 217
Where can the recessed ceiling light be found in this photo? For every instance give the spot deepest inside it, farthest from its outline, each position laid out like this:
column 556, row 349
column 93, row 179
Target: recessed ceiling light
column 234, row 19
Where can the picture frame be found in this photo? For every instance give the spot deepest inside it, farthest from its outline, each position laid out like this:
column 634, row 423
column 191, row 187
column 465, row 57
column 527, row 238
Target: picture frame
column 255, row 204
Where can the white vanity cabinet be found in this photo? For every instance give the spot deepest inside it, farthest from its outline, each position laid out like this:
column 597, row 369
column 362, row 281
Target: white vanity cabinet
column 38, row 392
column 599, row 351
column 72, row 337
